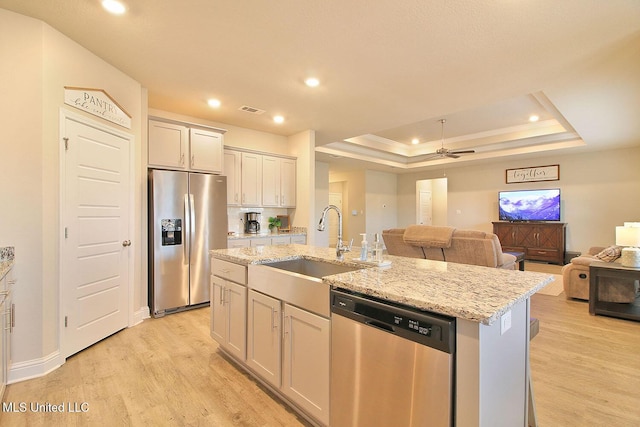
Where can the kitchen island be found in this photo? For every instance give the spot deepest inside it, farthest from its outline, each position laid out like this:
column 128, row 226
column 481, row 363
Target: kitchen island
column 491, row 308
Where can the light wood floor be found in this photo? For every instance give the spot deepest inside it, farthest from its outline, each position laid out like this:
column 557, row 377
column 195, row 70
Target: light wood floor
column 163, row 372
column 585, row 370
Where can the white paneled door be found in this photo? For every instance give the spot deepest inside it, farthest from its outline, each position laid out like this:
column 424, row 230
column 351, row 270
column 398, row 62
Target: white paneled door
column 96, row 241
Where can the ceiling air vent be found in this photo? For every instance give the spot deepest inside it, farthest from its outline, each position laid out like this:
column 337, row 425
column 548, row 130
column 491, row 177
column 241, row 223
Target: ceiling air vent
column 251, row 110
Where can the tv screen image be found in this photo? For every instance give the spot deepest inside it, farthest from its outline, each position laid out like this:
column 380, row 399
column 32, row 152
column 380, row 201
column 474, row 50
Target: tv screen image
column 529, row 205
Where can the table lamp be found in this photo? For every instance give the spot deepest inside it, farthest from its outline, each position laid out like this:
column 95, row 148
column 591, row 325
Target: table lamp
column 629, row 235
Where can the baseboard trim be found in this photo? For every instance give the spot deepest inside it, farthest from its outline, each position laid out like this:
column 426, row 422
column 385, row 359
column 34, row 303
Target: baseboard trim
column 22, row 371
column 140, row 315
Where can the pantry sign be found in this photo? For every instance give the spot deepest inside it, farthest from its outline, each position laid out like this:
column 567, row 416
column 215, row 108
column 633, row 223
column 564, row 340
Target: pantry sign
column 97, row 102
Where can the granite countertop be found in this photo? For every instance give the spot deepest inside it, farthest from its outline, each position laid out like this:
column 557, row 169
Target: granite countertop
column 6, row 260
column 469, row 292
column 264, row 234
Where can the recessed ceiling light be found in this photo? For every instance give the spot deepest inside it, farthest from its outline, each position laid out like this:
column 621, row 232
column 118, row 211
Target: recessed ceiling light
column 312, row 82
column 533, row 118
column 415, row 141
column 278, row 119
column 213, row 103
column 114, row 6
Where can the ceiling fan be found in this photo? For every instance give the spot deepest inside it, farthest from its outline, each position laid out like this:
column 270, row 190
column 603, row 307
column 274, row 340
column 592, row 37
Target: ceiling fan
column 445, row 152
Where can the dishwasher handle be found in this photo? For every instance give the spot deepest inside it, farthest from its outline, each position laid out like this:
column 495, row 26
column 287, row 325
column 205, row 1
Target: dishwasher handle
column 380, row 325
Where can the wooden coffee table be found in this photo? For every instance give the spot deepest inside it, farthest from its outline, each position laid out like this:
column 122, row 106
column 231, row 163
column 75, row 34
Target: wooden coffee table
column 597, row 270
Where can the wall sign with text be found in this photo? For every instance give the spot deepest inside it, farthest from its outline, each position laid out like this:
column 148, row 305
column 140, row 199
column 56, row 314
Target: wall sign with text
column 97, row 102
column 536, row 173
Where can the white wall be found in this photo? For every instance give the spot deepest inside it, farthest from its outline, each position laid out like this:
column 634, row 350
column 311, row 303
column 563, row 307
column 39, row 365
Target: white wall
column 321, row 200
column 302, row 146
column 599, row 190
column 43, row 62
column 381, row 202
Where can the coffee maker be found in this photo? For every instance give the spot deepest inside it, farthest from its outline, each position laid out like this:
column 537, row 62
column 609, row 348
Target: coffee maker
column 252, row 223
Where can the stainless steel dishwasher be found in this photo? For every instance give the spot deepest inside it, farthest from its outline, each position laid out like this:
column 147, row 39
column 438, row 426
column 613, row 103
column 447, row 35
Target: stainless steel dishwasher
column 390, row 365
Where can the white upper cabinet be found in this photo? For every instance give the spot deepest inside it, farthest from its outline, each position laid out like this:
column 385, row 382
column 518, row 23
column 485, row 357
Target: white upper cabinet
column 168, row 145
column 232, row 169
column 206, row 150
column 251, row 179
column 175, row 146
column 278, row 181
column 255, row 180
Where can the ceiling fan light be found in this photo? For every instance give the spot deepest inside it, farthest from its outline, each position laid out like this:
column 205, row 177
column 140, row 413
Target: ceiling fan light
column 534, row 118
column 415, row 141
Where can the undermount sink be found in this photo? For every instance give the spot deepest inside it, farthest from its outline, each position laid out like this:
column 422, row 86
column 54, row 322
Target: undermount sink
column 298, row 282
column 312, row 268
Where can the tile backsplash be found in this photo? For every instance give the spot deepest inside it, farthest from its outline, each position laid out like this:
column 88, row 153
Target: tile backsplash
column 237, row 216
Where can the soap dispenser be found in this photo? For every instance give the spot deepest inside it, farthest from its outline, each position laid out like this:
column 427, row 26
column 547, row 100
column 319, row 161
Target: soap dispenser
column 364, row 247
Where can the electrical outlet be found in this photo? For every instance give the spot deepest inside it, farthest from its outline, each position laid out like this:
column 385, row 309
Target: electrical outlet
column 505, row 322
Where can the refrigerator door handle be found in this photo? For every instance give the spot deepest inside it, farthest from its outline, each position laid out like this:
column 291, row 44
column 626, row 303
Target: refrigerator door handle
column 192, row 225
column 187, row 231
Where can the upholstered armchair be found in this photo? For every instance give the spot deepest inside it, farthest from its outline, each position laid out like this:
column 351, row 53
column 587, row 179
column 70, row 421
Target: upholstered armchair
column 575, row 279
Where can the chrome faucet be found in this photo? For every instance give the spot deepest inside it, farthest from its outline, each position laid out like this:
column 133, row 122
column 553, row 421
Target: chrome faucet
column 341, row 248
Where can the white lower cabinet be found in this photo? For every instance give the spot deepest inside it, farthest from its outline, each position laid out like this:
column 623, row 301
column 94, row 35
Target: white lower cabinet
column 264, row 342
column 6, row 328
column 238, row 243
column 305, row 364
column 267, row 241
column 289, row 348
column 280, row 240
column 299, row 239
column 229, row 316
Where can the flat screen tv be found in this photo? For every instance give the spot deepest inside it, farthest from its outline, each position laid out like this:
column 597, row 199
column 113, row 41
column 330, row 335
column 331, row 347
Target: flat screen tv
column 529, row 205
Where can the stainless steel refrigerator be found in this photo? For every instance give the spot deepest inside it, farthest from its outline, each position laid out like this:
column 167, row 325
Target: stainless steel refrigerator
column 187, row 218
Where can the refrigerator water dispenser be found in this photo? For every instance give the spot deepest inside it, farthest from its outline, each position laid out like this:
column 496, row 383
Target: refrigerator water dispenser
column 171, row 232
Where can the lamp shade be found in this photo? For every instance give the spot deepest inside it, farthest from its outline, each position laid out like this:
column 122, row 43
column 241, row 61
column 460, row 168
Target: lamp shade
column 627, row 236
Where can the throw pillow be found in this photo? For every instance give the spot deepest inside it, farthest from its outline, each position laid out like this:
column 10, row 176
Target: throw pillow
column 609, row 254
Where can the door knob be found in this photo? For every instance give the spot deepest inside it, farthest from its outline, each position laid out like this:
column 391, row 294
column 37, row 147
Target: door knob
column 126, row 243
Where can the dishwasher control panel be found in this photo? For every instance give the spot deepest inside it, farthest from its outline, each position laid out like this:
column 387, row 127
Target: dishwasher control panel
column 427, row 328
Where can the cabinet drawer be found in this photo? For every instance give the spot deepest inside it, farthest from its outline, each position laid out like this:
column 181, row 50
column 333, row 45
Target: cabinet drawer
column 228, row 270
column 543, row 254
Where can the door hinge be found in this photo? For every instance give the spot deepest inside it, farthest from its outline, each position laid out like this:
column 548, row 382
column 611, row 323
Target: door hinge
column 66, row 233
column 66, row 321
column 66, row 144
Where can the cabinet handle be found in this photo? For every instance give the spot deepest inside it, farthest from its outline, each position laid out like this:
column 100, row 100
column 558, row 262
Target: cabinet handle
column 221, row 295
column 192, row 160
column 284, row 325
column 244, row 198
column 13, row 317
column 274, row 314
column 182, row 159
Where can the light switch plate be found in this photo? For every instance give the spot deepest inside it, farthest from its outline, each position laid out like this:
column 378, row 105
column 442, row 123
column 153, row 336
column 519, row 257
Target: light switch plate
column 505, row 322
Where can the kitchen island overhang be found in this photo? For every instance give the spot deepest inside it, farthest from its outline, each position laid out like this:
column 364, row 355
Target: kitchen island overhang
column 491, row 381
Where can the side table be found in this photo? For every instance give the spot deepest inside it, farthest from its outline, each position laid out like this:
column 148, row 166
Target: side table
column 597, row 270
column 519, row 259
